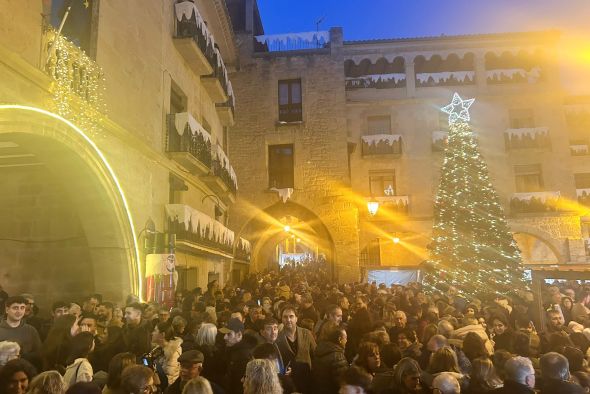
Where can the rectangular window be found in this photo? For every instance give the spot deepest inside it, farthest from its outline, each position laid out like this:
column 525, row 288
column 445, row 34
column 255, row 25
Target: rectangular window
column 382, row 183
column 528, row 178
column 77, row 27
column 378, row 125
column 290, row 108
column 582, row 180
column 280, row 166
column 522, row 118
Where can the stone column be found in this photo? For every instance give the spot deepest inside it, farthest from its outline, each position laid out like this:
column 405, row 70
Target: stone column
column 336, row 40
column 480, row 72
column 410, row 76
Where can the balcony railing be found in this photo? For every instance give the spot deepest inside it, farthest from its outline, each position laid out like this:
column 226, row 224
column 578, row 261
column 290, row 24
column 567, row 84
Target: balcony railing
column 193, row 226
column 377, row 81
column 381, row 144
column 78, row 88
column 186, row 135
column 202, row 54
column 546, row 201
column 445, row 78
column 292, row 41
column 513, row 75
column 224, row 170
column 583, row 196
column 579, row 149
column 440, row 140
column 397, row 204
column 243, row 250
column 527, row 138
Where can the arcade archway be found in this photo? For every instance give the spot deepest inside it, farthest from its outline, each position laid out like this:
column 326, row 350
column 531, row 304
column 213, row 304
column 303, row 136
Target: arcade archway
column 66, row 230
column 286, row 232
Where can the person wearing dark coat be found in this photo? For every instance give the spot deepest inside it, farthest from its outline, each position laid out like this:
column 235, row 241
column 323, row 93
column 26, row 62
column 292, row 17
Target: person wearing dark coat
column 237, row 354
column 328, row 360
column 503, row 335
column 520, row 377
column 191, row 366
column 556, row 374
column 360, row 323
column 137, row 334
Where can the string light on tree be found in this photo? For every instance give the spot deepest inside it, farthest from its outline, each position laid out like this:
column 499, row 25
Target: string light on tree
column 472, row 247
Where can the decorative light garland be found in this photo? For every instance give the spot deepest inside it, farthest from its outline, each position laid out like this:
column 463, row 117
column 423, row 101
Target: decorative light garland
column 78, row 84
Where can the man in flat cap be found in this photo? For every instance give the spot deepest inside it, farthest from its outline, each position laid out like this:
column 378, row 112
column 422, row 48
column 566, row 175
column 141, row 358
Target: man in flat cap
column 191, row 365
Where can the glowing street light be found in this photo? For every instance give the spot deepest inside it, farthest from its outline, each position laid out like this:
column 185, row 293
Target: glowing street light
column 287, row 228
column 373, row 207
column 395, row 240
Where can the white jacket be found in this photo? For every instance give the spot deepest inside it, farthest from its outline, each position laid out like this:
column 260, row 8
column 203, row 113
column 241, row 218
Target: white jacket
column 172, row 351
column 79, row 371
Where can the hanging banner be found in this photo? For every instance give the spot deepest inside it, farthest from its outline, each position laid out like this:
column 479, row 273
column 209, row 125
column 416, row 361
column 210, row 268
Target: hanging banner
column 161, row 278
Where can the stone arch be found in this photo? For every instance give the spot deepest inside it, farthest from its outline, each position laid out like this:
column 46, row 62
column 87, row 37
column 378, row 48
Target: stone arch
column 264, row 230
column 68, row 162
column 543, row 238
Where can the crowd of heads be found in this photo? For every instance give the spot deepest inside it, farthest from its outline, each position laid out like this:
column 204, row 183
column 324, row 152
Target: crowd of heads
column 294, row 330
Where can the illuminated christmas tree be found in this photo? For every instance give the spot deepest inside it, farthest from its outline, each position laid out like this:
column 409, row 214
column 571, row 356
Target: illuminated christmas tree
column 472, row 247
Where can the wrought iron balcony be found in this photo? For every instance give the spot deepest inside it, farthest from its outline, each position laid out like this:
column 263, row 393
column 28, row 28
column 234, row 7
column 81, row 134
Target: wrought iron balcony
column 196, row 44
column 381, row 144
column 79, row 85
column 243, row 250
column 189, row 143
column 527, row 138
column 546, row 201
column 440, row 140
column 377, row 81
column 198, row 230
column 222, row 169
column 292, row 41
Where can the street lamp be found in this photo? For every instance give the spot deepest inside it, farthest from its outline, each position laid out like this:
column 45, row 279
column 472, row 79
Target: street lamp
column 395, row 240
column 373, row 207
column 287, row 228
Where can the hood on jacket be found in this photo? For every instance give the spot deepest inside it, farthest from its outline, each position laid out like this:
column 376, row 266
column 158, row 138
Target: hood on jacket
column 325, row 348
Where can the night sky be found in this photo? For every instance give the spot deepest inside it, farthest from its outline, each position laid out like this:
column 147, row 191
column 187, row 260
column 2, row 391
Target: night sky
column 370, row 19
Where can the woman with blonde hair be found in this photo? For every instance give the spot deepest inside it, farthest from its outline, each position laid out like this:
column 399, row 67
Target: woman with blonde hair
column 48, row 382
column 198, row 385
column 261, row 378
column 483, row 376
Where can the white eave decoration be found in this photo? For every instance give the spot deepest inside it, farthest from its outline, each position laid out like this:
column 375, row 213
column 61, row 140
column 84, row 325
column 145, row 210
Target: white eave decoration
column 284, row 193
column 187, row 9
column 532, row 76
column 375, row 139
column 439, row 77
column 583, row 192
column 223, row 159
column 579, row 148
column 542, row 196
column 193, row 218
column 439, row 135
column 180, row 121
column 246, row 245
column 532, row 131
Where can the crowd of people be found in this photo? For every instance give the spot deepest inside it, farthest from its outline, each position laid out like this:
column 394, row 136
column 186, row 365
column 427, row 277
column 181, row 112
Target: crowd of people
column 293, row 331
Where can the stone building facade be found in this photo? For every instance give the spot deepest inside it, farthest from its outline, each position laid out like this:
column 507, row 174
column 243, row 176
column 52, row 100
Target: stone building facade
column 83, row 203
column 368, row 127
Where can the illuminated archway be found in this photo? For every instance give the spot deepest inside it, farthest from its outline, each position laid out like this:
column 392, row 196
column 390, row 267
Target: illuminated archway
column 57, row 148
column 266, row 230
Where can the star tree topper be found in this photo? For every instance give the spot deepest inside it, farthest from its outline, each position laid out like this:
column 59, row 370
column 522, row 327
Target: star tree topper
column 458, row 110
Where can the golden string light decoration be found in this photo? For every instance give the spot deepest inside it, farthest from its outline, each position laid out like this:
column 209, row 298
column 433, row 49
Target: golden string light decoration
column 78, row 85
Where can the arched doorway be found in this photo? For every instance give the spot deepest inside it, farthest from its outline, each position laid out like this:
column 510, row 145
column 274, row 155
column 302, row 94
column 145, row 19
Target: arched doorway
column 66, row 230
column 536, row 250
column 287, row 231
